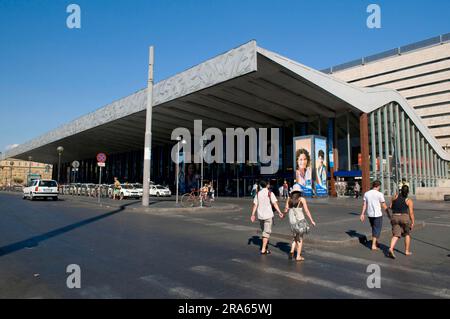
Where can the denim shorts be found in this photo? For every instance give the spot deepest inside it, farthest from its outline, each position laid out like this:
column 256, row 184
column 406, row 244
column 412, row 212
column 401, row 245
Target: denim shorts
column 377, row 224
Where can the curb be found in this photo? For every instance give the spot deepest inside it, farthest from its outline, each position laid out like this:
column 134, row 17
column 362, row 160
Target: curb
column 154, row 210
column 346, row 242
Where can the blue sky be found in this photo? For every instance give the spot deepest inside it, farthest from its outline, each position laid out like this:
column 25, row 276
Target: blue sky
column 50, row 75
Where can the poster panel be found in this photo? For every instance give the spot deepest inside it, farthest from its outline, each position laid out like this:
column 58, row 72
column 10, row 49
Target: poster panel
column 320, row 183
column 303, row 164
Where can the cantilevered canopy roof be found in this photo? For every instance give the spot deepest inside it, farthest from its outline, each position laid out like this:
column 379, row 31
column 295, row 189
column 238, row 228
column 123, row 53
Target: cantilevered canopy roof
column 245, row 87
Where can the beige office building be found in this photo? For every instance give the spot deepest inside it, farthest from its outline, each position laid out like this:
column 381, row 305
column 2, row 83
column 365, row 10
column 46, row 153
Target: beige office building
column 15, row 172
column 419, row 71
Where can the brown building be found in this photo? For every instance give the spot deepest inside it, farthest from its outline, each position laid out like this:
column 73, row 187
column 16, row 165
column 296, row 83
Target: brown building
column 18, row 170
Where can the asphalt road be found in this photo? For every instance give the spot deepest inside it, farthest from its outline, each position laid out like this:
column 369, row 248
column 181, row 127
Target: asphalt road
column 128, row 254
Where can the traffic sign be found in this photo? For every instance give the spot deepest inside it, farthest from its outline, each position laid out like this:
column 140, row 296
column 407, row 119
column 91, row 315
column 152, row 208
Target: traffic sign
column 101, row 164
column 75, row 164
column 101, row 157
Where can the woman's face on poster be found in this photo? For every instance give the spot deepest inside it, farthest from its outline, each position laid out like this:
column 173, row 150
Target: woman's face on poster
column 191, row 170
column 302, row 161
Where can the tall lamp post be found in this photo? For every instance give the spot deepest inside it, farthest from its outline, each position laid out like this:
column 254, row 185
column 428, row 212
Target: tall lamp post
column 10, row 180
column 29, row 169
column 178, row 163
column 148, row 131
column 202, row 142
column 60, row 150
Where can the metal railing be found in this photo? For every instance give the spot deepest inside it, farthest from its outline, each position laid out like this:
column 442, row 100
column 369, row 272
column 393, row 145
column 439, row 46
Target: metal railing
column 443, row 38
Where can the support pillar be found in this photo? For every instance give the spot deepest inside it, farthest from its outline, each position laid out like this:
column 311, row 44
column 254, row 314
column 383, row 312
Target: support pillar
column 364, row 141
column 380, row 149
column 386, row 149
column 332, row 155
column 349, row 154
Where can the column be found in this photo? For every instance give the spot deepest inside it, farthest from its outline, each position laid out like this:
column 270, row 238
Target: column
column 373, row 155
column 349, row 154
column 331, row 155
column 424, row 162
column 409, row 158
column 380, row 149
column 403, row 158
column 392, row 140
column 386, row 149
column 427, row 164
column 397, row 145
column 414, row 159
column 419, row 159
column 364, row 141
column 435, row 169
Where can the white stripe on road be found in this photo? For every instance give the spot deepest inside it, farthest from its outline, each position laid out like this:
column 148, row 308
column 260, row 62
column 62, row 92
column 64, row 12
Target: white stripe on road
column 408, row 286
column 228, row 278
column 437, row 224
column 367, row 262
column 312, row 280
column 173, row 288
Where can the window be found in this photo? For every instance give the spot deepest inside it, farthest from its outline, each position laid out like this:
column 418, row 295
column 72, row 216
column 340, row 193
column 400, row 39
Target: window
column 48, row 184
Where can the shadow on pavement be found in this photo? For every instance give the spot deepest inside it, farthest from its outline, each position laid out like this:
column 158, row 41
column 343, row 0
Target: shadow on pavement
column 283, row 246
column 368, row 243
column 431, row 244
column 34, row 241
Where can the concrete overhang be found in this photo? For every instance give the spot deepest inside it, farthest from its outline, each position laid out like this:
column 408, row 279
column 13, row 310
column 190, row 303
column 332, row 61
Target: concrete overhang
column 245, row 87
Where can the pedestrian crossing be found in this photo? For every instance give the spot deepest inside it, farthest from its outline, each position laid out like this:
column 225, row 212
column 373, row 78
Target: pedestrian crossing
column 274, row 276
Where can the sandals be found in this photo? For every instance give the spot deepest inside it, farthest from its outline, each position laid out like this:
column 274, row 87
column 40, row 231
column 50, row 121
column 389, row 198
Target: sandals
column 267, row 252
column 291, row 256
column 391, row 254
column 300, row 259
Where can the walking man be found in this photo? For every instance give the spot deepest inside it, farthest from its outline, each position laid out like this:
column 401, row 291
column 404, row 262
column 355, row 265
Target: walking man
column 373, row 202
column 262, row 203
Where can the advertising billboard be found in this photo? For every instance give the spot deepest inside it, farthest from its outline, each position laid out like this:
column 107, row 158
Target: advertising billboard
column 320, row 168
column 303, row 164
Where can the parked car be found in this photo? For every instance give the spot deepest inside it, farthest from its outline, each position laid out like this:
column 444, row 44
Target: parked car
column 159, row 190
column 139, row 188
column 128, row 191
column 41, row 188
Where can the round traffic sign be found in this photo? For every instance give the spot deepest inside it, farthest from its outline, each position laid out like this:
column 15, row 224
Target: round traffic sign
column 101, row 157
column 75, row 164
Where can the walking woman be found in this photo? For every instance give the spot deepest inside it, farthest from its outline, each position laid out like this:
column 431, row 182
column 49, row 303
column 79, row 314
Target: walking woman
column 402, row 220
column 296, row 206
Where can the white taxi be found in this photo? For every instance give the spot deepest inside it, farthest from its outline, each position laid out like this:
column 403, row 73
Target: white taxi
column 41, row 188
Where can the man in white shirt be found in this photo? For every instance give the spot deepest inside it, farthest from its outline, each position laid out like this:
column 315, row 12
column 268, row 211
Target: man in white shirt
column 262, row 203
column 373, row 202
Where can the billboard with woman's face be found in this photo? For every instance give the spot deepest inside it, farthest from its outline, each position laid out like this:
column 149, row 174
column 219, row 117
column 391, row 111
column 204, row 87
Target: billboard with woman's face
column 320, row 148
column 302, row 160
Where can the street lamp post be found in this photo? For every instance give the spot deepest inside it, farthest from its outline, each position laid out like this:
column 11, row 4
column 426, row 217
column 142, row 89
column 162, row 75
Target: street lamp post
column 178, row 164
column 29, row 169
column 10, row 180
column 202, row 141
column 148, row 131
column 60, row 150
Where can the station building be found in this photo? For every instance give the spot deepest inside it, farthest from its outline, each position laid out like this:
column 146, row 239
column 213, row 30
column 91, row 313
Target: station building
column 371, row 132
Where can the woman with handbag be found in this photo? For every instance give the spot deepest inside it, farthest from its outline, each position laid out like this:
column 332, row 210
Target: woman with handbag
column 296, row 206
